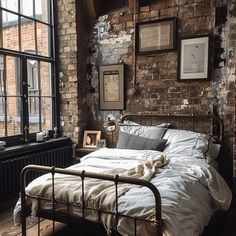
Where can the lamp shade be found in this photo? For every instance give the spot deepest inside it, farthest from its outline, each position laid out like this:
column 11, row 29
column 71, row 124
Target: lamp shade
column 109, row 125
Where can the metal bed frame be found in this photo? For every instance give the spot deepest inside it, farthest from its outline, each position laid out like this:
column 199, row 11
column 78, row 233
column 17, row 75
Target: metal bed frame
column 217, row 130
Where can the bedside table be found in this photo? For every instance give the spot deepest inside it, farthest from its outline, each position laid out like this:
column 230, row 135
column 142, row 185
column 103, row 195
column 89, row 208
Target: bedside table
column 80, row 152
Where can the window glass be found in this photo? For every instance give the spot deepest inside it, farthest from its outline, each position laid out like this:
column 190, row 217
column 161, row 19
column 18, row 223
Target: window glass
column 43, row 34
column 45, row 79
column 10, row 5
column 27, row 7
column 10, row 33
column 47, row 114
column 13, row 116
column 27, row 35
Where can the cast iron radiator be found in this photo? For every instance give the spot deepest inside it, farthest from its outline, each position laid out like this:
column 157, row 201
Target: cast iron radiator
column 10, row 169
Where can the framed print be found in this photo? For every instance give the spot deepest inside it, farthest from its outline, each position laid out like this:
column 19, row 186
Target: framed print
column 100, row 143
column 90, row 138
column 156, row 36
column 111, row 87
column 194, row 59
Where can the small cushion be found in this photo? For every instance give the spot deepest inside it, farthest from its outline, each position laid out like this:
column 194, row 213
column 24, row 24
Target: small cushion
column 129, row 141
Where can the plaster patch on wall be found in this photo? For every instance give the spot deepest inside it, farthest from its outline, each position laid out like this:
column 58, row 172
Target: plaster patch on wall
column 111, row 45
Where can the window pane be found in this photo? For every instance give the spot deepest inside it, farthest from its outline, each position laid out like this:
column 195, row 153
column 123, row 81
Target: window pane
column 2, row 125
column 12, row 76
column 13, row 118
column 42, row 10
column 43, row 32
column 45, row 80
column 10, row 31
column 27, row 7
column 27, row 35
column 46, row 113
column 33, row 106
column 10, row 5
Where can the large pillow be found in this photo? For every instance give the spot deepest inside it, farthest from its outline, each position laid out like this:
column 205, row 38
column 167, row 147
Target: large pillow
column 129, row 141
column 186, row 142
column 163, row 125
column 145, row 131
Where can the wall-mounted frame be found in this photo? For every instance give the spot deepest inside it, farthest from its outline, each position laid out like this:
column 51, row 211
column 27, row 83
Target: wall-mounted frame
column 90, row 138
column 194, row 58
column 111, row 87
column 156, row 36
column 101, row 143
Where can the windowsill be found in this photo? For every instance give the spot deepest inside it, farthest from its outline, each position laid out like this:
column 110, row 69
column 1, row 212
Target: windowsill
column 12, row 151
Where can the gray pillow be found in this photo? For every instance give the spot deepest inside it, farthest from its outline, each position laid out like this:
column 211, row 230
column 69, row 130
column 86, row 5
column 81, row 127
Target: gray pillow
column 145, row 131
column 129, row 141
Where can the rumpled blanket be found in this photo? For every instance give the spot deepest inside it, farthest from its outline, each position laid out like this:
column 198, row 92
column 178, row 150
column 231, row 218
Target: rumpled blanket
column 98, row 194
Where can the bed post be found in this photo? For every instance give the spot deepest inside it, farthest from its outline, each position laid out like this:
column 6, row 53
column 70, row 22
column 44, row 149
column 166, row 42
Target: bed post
column 23, row 204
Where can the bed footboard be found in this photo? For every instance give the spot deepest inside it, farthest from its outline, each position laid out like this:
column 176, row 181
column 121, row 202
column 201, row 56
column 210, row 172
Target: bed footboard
column 67, row 218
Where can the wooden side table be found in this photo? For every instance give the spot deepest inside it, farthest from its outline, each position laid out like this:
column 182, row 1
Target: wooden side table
column 80, row 152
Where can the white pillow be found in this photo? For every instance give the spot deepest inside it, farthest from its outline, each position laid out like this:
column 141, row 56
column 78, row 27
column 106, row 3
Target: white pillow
column 186, row 142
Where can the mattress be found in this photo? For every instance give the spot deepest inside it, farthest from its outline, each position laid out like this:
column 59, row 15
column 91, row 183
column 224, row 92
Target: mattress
column 191, row 190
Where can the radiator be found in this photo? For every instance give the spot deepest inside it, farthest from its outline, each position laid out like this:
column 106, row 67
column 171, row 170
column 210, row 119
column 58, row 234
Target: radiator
column 10, row 169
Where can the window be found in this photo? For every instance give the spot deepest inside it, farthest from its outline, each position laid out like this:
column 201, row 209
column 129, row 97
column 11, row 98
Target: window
column 27, row 69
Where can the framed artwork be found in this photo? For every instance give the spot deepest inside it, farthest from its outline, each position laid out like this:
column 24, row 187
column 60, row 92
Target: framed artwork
column 156, row 36
column 194, row 58
column 101, row 143
column 90, row 138
column 111, row 87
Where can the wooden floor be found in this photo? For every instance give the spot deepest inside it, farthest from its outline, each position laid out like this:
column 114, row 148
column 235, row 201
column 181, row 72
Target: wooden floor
column 7, row 227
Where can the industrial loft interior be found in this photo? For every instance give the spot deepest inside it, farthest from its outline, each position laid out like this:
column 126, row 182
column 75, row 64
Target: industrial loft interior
column 118, row 117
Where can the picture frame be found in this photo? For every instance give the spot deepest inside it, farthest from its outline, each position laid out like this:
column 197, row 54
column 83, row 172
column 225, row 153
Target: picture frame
column 100, row 143
column 111, row 87
column 90, row 138
column 156, row 36
column 194, row 58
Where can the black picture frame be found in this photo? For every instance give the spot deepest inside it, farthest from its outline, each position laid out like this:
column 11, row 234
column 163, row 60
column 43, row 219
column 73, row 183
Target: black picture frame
column 156, row 36
column 194, row 58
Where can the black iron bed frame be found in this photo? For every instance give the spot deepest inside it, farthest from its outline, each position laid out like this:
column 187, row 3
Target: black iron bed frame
column 143, row 118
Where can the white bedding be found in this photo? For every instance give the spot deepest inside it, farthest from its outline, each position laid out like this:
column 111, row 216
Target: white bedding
column 190, row 189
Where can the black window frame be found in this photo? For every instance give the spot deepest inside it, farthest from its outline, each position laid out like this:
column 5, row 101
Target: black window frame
column 27, row 137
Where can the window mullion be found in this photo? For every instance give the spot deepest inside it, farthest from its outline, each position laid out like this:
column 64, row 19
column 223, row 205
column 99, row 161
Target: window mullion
column 25, row 111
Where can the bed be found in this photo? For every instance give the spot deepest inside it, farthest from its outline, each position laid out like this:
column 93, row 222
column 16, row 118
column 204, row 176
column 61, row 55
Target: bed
column 160, row 180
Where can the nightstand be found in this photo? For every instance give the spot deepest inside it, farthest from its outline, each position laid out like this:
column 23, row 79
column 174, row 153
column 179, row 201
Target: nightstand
column 80, row 152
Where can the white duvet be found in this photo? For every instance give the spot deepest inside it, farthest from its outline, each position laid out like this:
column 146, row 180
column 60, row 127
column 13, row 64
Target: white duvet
column 190, row 190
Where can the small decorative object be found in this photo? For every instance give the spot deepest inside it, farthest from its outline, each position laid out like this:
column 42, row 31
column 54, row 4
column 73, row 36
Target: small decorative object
column 194, row 59
column 40, row 137
column 55, row 135
column 111, row 86
column 110, row 126
column 100, row 143
column 90, row 138
column 2, row 144
column 156, row 36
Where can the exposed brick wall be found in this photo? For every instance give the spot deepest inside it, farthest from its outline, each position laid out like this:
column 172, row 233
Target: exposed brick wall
column 156, row 75
column 71, row 59
column 158, row 89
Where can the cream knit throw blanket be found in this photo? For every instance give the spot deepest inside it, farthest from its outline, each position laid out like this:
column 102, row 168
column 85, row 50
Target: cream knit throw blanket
column 99, row 194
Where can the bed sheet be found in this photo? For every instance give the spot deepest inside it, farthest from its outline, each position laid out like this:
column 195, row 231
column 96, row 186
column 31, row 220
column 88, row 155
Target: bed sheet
column 190, row 189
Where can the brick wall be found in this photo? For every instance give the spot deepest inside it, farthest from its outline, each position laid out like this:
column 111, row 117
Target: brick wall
column 71, row 67
column 157, row 88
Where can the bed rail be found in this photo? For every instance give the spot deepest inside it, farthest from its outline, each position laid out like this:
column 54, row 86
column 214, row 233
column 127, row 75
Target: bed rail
column 210, row 124
column 84, row 174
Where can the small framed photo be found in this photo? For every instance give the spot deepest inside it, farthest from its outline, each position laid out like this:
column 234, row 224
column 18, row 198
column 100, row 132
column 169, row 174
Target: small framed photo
column 194, row 58
column 111, row 87
column 156, row 36
column 100, row 143
column 90, row 138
